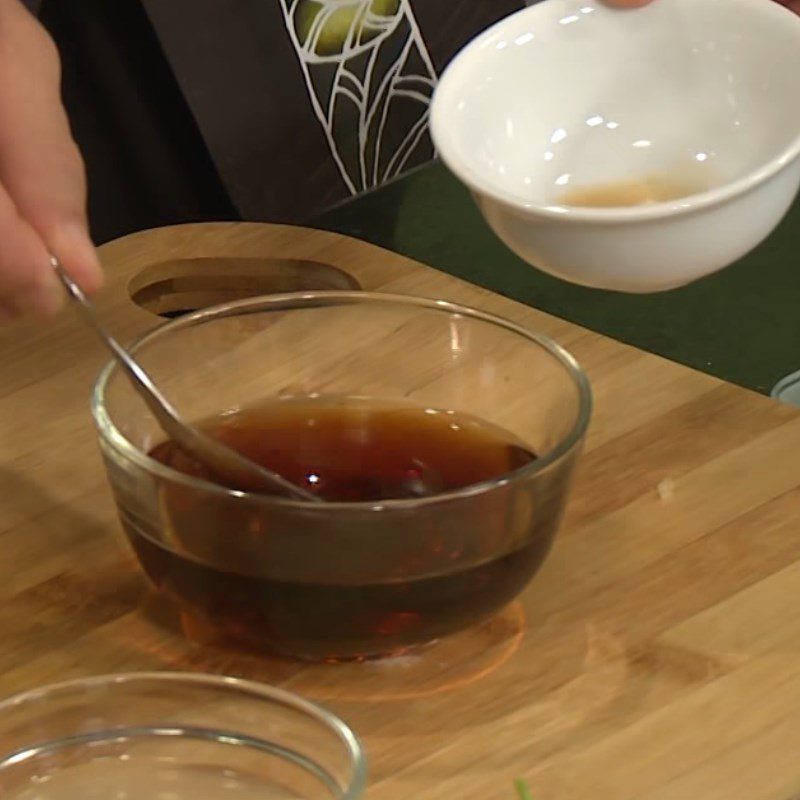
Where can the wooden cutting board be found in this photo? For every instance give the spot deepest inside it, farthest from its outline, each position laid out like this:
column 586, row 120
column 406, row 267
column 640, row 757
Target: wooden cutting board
column 657, row 653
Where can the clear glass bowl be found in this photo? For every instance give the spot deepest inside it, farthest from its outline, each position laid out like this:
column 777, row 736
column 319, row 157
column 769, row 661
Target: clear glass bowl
column 162, row 735
column 345, row 580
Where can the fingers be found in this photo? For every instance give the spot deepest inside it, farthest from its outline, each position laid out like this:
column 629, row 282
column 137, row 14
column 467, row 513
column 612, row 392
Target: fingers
column 42, row 181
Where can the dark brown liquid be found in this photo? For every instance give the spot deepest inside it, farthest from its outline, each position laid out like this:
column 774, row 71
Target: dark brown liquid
column 356, row 583
column 357, row 451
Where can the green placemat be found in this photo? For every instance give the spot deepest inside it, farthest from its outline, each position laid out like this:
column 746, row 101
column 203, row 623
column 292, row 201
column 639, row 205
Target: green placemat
column 742, row 325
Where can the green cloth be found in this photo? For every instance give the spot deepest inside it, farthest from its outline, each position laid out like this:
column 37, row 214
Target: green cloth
column 742, row 324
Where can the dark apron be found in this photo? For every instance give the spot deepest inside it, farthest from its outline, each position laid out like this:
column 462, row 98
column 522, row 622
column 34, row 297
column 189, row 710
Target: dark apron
column 298, row 111
column 263, row 109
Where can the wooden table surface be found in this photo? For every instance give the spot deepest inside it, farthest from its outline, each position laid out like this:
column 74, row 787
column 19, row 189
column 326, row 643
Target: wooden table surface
column 656, row 655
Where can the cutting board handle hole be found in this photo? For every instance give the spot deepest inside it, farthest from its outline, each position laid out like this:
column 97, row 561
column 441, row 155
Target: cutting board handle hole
column 179, row 286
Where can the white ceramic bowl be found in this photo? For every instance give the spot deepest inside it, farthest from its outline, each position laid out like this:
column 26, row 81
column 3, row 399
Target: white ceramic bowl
column 572, row 94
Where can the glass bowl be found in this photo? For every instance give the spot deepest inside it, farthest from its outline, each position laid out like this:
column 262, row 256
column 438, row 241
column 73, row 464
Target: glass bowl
column 177, row 736
column 343, row 580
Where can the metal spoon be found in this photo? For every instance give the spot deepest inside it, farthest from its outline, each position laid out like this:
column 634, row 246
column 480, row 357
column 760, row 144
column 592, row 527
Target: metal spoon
column 230, row 466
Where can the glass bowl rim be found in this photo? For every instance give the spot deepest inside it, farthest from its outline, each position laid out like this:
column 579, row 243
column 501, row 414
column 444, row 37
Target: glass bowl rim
column 253, row 689
column 111, row 435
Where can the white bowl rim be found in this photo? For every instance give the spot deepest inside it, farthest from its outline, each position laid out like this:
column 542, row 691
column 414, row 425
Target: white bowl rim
column 442, row 139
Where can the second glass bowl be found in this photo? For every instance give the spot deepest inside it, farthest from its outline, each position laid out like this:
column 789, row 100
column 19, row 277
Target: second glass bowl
column 174, row 735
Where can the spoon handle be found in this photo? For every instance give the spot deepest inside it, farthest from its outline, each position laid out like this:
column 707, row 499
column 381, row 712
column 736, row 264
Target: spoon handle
column 226, row 460
column 156, row 402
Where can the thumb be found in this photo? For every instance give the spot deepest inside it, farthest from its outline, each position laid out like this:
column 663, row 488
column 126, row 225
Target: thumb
column 54, row 206
column 41, row 170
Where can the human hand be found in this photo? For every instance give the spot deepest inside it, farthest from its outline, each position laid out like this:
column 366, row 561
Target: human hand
column 794, row 5
column 42, row 181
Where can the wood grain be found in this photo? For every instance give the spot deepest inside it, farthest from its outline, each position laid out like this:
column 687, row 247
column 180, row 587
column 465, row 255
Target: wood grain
column 656, row 655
